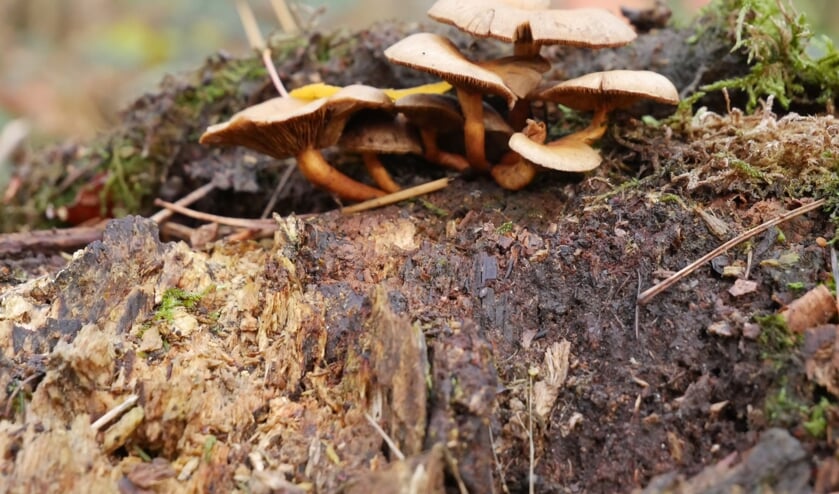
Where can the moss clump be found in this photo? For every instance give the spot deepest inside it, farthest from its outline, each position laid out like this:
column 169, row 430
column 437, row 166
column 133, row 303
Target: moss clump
column 778, row 44
column 173, row 298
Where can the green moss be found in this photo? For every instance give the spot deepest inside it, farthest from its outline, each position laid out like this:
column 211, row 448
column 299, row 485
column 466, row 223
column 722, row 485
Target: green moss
column 173, row 298
column 778, row 43
column 796, row 285
column 784, row 409
column 775, row 338
column 816, row 426
column 504, row 228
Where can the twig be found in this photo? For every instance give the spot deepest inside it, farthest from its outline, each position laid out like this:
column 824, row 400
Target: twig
column 285, row 17
column 419, row 190
column 498, row 465
column 637, row 306
column 392, row 445
column 648, row 294
column 257, row 42
column 276, row 194
column 195, row 195
column 49, row 240
column 114, row 412
column 530, row 481
column 259, row 224
column 834, row 267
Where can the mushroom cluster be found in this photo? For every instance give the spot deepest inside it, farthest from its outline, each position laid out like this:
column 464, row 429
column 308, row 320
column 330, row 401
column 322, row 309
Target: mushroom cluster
column 370, row 121
column 530, row 24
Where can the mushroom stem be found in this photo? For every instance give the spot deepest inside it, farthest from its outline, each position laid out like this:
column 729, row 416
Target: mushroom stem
column 525, row 47
column 513, row 172
column 379, row 173
column 316, row 170
column 519, row 114
column 593, row 132
column 473, row 129
column 433, row 153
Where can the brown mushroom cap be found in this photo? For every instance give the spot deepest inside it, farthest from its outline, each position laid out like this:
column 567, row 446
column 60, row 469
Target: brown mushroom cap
column 439, row 111
column 568, row 155
column 280, row 127
column 379, row 133
column 610, row 89
column 533, row 20
column 511, row 77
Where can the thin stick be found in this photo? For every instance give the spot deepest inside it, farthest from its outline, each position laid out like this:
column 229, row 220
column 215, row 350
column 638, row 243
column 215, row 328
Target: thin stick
column 648, row 294
column 285, row 17
column 419, row 190
column 257, row 42
column 834, row 267
column 530, row 482
column 212, row 218
column 498, row 465
column 637, row 306
column 276, row 194
column 114, row 412
column 199, row 193
column 392, row 445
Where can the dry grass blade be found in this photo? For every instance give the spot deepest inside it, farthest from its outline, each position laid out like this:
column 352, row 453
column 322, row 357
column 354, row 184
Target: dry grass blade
column 199, row 193
column 259, row 224
column 114, row 412
column 257, row 42
column 649, row 293
column 419, row 190
column 392, row 445
column 285, row 17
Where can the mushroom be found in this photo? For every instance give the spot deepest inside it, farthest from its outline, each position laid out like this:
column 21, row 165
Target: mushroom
column 379, row 133
column 434, row 114
column 287, row 126
column 603, row 92
column 569, row 154
column 529, row 24
column 510, row 78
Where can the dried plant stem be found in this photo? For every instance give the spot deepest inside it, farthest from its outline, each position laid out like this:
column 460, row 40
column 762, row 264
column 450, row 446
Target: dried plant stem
column 257, row 42
column 419, row 190
column 199, row 193
column 114, row 412
column 260, row 224
column 649, row 293
column 276, row 194
column 392, row 445
column 285, row 17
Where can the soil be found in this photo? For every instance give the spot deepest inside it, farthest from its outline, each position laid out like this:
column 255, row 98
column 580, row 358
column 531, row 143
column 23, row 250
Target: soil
column 489, row 333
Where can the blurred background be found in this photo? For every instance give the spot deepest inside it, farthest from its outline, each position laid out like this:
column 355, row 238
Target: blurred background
column 67, row 67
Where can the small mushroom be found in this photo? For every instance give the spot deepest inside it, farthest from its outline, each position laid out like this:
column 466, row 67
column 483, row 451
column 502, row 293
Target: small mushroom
column 603, row 92
column 373, row 134
column 288, row 126
column 434, row 114
column 569, row 154
column 529, row 24
column 514, row 172
column 509, row 78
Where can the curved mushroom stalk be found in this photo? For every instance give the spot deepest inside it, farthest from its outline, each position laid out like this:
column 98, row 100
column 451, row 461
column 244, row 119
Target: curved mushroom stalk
column 379, row 173
column 318, row 171
column 474, row 135
column 514, row 172
column 433, row 153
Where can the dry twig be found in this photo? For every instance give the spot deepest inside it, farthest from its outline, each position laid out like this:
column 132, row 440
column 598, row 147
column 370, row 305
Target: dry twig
column 419, row 190
column 649, row 293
